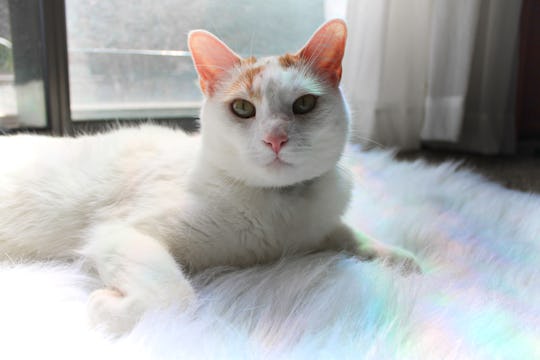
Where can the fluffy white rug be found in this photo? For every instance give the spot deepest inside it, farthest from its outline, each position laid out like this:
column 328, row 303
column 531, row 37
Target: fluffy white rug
column 479, row 298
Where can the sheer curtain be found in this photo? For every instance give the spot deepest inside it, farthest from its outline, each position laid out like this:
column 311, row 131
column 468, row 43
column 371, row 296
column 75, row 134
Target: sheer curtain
column 437, row 71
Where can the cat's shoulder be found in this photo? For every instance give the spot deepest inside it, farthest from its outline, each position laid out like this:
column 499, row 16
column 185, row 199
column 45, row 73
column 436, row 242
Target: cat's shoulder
column 339, row 178
column 331, row 192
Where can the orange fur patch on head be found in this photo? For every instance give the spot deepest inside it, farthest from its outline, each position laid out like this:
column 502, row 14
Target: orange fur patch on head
column 249, row 61
column 288, row 60
column 245, row 81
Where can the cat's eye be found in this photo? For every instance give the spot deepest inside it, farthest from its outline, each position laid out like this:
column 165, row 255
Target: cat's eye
column 304, row 104
column 243, row 108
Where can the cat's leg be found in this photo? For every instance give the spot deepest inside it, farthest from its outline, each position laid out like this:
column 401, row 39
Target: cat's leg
column 138, row 273
column 365, row 248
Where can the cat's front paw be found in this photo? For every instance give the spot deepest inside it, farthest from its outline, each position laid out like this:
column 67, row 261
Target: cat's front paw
column 400, row 259
column 116, row 313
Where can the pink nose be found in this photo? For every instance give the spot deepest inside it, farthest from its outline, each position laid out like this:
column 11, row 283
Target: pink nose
column 276, row 141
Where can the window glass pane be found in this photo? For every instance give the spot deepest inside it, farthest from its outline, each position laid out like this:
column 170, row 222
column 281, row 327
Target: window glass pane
column 129, row 58
column 22, row 95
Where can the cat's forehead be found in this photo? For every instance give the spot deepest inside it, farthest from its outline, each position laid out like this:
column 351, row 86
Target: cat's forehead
column 254, row 78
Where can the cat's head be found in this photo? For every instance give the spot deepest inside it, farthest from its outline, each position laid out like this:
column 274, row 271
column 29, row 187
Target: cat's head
column 274, row 121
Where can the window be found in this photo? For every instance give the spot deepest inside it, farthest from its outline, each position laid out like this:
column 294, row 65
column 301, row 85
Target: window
column 134, row 61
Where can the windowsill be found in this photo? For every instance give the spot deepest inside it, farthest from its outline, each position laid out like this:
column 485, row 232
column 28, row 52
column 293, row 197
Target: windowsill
column 9, row 121
column 120, row 111
column 145, row 110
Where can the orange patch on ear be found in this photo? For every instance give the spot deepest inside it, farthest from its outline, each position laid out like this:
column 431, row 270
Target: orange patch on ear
column 324, row 51
column 212, row 58
column 288, row 60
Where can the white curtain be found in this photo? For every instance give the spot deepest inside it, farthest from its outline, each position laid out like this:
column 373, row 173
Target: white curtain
column 439, row 71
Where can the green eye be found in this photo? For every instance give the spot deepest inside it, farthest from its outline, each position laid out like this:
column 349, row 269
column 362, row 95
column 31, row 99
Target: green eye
column 304, row 104
column 243, row 108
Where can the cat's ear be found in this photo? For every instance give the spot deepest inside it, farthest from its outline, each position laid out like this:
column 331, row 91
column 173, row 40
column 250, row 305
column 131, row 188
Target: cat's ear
column 212, row 58
column 324, row 51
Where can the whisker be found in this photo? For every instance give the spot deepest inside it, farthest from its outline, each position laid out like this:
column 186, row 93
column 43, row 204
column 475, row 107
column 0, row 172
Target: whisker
column 355, row 135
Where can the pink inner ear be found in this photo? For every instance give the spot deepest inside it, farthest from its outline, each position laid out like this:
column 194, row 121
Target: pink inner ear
column 324, row 51
column 212, row 58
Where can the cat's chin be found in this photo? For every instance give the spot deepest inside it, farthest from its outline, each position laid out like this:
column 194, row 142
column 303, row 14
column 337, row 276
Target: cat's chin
column 279, row 174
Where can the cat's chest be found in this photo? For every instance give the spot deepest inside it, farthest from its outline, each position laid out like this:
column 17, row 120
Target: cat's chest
column 231, row 226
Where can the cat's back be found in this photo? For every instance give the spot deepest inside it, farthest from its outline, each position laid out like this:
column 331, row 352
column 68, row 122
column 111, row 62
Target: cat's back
column 35, row 160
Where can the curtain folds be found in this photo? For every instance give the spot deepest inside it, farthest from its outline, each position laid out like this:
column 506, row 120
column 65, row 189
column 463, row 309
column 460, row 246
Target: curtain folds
column 432, row 71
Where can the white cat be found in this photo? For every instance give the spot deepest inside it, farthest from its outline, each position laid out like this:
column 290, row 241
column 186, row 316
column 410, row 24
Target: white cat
column 146, row 206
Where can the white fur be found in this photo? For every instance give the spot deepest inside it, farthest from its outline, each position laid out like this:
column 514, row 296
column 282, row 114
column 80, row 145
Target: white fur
column 478, row 299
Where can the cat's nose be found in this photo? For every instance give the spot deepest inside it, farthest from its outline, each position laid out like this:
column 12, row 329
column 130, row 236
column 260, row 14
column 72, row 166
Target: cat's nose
column 276, row 141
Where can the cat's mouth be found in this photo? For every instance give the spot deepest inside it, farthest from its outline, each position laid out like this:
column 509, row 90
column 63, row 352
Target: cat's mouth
column 278, row 163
